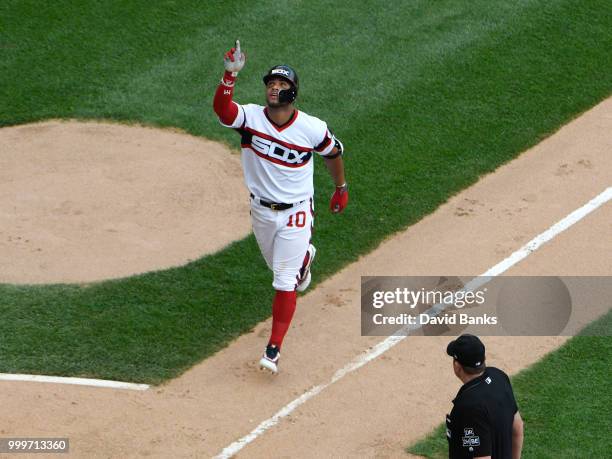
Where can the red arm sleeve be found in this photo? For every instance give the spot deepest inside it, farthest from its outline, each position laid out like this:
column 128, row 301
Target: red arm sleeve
column 225, row 108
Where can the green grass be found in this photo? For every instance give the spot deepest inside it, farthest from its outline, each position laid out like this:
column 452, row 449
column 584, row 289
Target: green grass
column 426, row 96
column 564, row 400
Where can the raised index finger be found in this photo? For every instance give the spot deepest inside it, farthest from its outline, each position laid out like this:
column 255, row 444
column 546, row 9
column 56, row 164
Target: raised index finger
column 238, row 47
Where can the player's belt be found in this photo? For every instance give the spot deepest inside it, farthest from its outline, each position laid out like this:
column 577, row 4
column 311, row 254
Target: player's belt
column 275, row 205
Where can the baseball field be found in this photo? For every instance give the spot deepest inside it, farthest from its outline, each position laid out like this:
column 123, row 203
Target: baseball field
column 470, row 129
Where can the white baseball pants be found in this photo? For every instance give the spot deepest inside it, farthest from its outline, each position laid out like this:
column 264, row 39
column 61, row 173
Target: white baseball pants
column 283, row 237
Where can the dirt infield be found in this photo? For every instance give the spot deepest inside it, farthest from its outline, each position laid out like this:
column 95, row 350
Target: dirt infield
column 379, row 409
column 81, row 202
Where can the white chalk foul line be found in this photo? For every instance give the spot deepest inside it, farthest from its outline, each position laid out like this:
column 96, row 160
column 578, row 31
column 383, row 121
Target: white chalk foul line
column 76, row 381
column 391, row 341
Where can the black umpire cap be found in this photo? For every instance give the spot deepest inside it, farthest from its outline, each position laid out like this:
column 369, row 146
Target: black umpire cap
column 468, row 350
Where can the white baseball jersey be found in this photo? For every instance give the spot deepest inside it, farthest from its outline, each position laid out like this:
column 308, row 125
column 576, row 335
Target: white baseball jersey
column 278, row 160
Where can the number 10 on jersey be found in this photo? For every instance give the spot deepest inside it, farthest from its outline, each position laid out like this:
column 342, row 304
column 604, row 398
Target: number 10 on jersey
column 298, row 219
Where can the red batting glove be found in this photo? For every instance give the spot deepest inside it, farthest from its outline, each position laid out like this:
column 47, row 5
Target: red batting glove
column 229, row 56
column 339, row 199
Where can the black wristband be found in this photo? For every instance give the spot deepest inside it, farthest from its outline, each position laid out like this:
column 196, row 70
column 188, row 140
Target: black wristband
column 339, row 153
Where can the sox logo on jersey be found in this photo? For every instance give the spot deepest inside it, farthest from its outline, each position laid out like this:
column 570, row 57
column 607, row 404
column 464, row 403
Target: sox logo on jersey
column 280, row 152
column 268, row 150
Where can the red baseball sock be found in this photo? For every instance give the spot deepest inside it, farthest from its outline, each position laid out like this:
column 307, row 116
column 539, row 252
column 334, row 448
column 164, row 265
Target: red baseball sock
column 283, row 308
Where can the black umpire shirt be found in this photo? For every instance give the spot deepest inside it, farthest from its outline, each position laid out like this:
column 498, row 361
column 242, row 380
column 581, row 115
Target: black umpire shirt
column 480, row 423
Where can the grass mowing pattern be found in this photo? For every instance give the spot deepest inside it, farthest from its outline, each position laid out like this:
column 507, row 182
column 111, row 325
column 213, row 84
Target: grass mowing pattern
column 564, row 400
column 426, row 97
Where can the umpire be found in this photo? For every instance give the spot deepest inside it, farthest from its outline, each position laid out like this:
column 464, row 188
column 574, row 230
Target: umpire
column 484, row 422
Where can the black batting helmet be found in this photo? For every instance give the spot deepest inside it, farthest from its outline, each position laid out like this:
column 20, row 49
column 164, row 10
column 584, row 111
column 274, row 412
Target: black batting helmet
column 286, row 73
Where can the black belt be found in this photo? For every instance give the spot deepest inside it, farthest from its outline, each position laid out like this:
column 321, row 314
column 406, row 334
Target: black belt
column 274, row 205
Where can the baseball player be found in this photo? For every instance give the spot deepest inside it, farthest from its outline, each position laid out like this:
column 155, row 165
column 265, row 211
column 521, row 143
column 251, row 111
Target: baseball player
column 278, row 144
